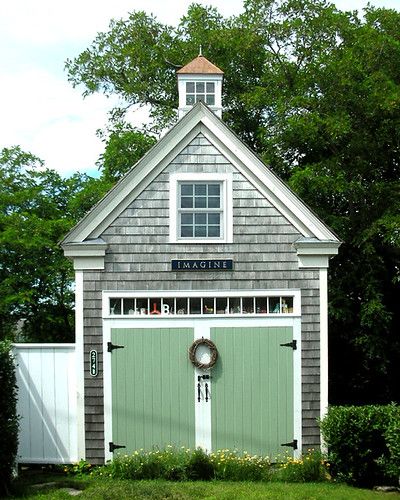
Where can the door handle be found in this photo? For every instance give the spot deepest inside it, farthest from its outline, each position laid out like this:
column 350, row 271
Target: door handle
column 199, row 379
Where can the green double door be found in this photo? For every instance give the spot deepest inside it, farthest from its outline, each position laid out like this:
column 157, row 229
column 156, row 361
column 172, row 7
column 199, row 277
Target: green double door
column 250, row 393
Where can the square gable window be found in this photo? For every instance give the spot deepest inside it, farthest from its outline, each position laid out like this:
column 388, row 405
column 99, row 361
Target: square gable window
column 201, row 208
column 200, row 91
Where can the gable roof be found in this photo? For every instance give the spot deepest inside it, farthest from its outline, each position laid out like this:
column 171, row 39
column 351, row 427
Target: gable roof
column 198, row 120
column 200, row 65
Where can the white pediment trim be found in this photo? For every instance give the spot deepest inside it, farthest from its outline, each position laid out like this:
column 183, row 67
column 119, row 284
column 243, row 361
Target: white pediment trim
column 199, row 119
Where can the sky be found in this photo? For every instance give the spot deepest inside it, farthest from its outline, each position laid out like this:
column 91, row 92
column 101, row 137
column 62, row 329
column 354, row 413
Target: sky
column 39, row 108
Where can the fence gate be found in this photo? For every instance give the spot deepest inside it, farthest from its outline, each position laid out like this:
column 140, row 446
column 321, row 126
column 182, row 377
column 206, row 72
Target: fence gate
column 46, row 380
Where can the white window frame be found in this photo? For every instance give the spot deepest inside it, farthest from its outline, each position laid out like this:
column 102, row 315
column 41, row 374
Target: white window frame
column 226, row 202
column 195, row 94
column 147, row 294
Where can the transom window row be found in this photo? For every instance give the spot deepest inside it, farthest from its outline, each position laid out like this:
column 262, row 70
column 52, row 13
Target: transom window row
column 156, row 306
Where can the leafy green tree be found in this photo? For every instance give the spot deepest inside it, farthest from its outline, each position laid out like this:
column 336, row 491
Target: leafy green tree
column 124, row 146
column 8, row 418
column 36, row 210
column 316, row 92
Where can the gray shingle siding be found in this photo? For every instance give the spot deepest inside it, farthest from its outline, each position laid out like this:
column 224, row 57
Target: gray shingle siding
column 139, row 255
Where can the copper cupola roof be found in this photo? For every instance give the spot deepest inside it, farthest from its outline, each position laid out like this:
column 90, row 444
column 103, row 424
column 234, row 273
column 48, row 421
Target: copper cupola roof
column 200, row 65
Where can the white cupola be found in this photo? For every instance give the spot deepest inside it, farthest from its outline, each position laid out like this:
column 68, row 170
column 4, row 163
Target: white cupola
column 200, row 80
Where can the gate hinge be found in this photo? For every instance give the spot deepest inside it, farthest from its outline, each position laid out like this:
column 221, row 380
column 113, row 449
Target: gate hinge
column 111, row 346
column 293, row 444
column 292, row 344
column 112, row 447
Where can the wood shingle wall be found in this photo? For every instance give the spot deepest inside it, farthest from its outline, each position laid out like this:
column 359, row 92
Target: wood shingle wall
column 139, row 258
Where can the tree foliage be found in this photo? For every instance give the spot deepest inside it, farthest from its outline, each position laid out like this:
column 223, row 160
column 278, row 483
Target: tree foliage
column 124, row 146
column 316, row 93
column 37, row 208
column 8, row 417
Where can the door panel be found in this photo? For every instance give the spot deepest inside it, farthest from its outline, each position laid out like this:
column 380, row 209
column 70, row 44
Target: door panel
column 252, row 390
column 152, row 388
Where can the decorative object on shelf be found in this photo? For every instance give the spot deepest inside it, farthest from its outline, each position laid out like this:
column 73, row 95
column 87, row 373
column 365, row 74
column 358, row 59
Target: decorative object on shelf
column 155, row 310
column 276, row 309
column 213, row 353
column 155, row 306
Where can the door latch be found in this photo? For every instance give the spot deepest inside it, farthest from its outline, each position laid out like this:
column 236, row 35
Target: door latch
column 207, row 392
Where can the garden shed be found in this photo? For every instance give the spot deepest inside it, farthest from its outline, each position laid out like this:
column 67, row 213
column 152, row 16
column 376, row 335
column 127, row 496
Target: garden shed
column 201, row 297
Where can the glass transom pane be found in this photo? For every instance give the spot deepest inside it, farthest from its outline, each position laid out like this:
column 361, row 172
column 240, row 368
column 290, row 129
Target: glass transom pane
column 213, row 231
column 200, row 87
column 213, row 189
column 210, row 87
column 187, row 231
column 200, row 189
column 150, row 307
column 213, row 219
column 210, row 100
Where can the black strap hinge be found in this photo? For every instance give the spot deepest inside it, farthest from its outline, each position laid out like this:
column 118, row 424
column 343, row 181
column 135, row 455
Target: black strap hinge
column 292, row 344
column 112, row 447
column 111, row 346
column 293, row 444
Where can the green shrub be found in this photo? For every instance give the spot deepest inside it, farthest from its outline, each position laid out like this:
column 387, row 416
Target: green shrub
column 232, row 466
column 311, row 467
column 192, row 465
column 363, row 443
column 199, row 467
column 167, row 464
column 8, row 417
column 78, row 469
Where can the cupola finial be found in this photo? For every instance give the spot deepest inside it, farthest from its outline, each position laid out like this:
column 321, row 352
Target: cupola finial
column 200, row 51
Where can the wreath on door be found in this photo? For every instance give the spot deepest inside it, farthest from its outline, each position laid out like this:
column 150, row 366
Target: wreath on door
column 213, row 353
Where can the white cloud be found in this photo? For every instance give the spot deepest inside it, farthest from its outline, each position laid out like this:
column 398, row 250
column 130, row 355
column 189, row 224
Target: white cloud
column 46, row 116
column 39, row 109
column 49, row 21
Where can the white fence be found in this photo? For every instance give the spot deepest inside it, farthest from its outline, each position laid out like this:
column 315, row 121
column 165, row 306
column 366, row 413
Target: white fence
column 47, row 401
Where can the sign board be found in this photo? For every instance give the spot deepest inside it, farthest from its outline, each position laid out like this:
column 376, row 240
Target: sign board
column 202, row 265
column 93, row 363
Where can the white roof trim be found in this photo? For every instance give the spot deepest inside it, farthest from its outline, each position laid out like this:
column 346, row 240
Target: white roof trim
column 273, row 188
column 130, row 186
column 199, row 119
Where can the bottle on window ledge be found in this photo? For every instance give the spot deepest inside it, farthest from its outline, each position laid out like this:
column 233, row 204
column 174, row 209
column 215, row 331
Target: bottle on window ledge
column 155, row 310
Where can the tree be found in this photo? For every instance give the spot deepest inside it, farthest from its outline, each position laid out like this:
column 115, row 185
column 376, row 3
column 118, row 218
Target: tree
column 8, row 418
column 36, row 210
column 315, row 92
column 124, row 146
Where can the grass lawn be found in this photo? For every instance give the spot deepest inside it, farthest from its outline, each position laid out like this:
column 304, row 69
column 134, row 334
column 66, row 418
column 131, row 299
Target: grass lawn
column 109, row 489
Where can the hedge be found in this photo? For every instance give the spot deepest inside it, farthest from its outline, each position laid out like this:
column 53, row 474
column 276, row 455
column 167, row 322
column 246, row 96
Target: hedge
column 8, row 417
column 363, row 443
